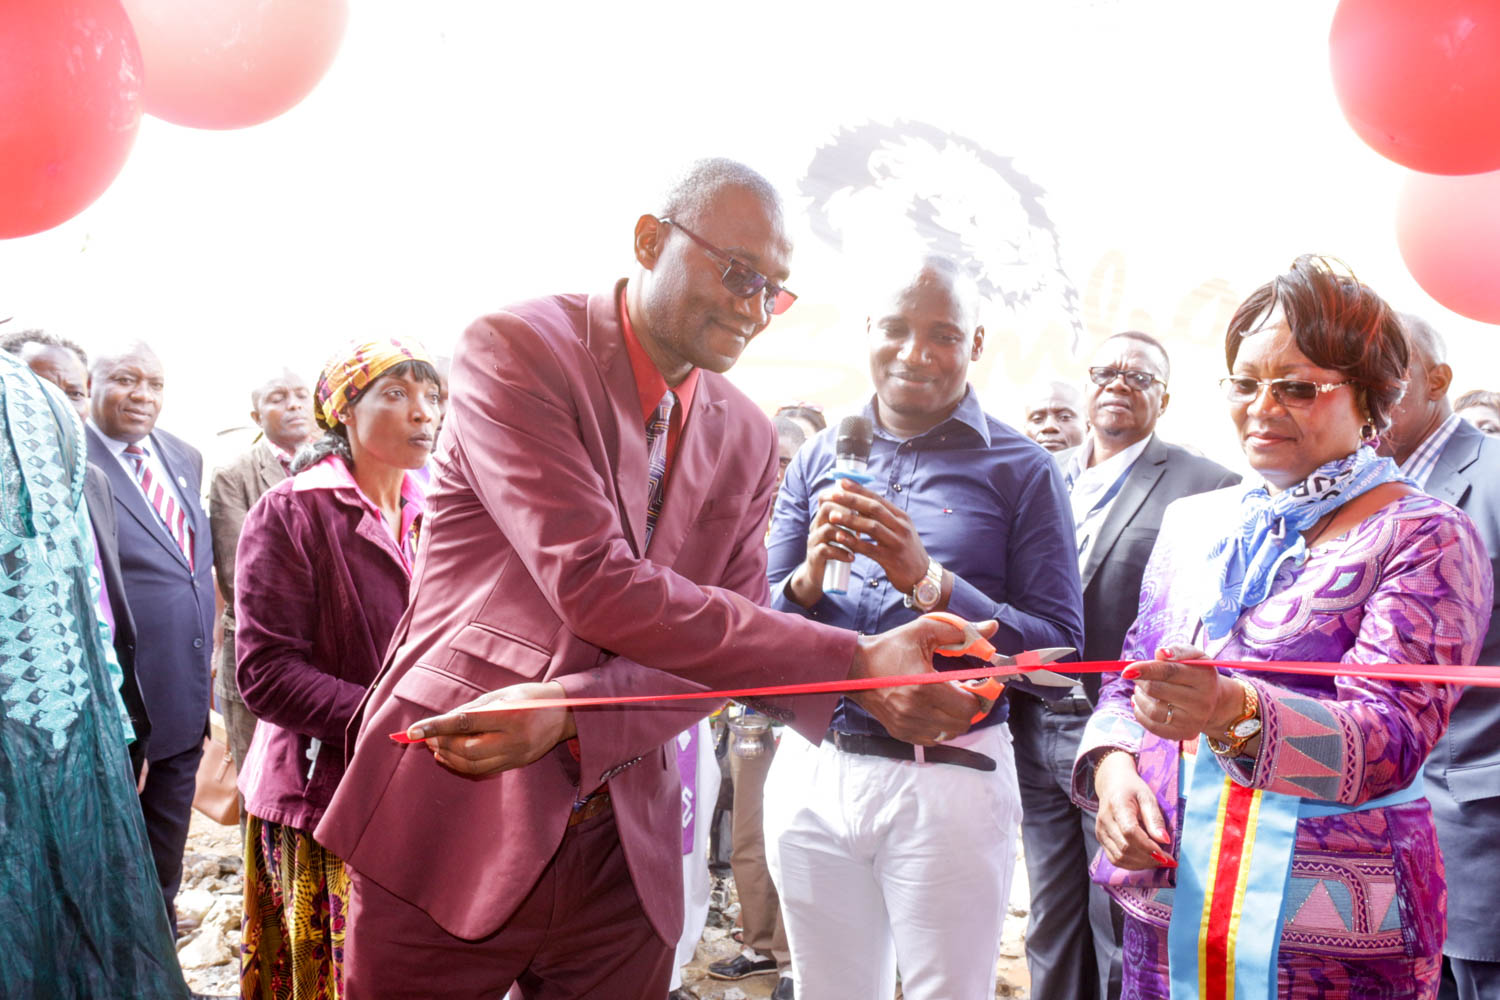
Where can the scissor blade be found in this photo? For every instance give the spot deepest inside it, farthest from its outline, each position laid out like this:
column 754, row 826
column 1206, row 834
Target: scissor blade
column 1046, row 678
column 1048, row 654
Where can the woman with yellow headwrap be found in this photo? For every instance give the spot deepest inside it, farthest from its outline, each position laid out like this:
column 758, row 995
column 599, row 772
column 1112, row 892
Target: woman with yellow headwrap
column 323, row 568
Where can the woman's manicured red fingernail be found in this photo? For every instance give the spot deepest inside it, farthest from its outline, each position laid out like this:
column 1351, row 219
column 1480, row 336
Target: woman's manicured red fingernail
column 1130, row 673
column 1162, row 860
column 1162, row 653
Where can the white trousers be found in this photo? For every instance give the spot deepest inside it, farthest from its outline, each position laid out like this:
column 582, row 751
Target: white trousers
column 884, row 863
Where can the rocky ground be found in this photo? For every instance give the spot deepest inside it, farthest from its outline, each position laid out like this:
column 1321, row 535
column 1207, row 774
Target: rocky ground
column 210, row 905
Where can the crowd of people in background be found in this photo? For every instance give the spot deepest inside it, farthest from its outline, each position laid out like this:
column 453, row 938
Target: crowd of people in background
column 604, row 514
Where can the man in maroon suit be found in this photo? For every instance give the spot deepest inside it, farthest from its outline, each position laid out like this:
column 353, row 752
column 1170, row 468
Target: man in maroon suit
column 588, row 533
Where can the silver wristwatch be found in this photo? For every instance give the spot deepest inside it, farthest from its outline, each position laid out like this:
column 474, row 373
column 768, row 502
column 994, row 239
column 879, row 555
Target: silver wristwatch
column 929, row 590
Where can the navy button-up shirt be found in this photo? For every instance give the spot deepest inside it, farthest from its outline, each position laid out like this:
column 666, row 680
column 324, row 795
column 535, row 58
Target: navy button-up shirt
column 989, row 504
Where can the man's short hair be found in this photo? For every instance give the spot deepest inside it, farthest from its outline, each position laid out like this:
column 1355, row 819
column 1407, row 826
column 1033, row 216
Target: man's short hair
column 1478, row 397
column 1424, row 339
column 887, row 276
column 13, row 343
column 691, row 193
column 789, row 429
column 1149, row 341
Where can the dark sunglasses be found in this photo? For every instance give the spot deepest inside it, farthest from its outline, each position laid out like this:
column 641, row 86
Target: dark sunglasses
column 1286, row 391
column 740, row 278
column 1137, row 380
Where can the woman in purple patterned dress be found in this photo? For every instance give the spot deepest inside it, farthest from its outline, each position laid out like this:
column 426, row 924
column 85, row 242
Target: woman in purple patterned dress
column 1265, row 833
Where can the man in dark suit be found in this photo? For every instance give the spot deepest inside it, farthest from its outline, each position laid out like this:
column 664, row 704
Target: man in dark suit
column 65, row 365
column 1454, row 461
column 1120, row 481
column 585, row 520
column 166, row 560
column 282, row 408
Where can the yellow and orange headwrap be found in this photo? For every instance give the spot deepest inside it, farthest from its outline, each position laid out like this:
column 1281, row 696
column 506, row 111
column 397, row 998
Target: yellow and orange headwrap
column 355, row 366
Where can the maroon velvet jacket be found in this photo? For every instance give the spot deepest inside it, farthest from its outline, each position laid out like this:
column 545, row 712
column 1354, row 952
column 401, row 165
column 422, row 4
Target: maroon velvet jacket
column 531, row 568
column 319, row 587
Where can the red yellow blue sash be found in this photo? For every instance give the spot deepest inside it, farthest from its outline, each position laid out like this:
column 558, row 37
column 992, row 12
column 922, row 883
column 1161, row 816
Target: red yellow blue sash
column 1234, row 863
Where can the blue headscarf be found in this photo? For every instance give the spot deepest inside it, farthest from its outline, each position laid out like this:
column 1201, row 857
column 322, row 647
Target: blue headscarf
column 1270, row 530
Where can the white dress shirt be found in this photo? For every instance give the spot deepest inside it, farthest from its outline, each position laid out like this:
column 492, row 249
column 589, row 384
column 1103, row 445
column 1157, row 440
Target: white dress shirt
column 176, row 485
column 1093, row 489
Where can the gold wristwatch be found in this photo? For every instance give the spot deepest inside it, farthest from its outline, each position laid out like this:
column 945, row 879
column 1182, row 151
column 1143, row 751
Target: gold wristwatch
column 929, row 590
column 1243, row 729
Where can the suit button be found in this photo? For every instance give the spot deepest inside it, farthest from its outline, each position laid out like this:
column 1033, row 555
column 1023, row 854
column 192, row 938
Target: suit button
column 197, row 643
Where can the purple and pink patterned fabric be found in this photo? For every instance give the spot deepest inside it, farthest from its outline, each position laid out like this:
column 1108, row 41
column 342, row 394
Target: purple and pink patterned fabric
column 1365, row 907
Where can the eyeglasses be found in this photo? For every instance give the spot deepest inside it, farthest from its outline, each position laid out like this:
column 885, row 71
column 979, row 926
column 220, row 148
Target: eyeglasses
column 1286, row 391
column 740, row 278
column 1137, row 380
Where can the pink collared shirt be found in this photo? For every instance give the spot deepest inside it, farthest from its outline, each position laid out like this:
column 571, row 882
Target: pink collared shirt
column 333, row 473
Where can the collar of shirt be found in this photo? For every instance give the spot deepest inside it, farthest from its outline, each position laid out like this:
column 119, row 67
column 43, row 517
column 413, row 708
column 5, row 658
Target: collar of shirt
column 968, row 413
column 178, row 490
column 649, row 383
column 280, row 454
column 117, row 447
column 1087, row 482
column 333, row 473
column 1420, row 463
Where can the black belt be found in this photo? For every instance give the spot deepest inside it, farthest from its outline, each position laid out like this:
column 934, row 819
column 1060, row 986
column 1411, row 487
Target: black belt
column 1071, row 705
column 886, row 746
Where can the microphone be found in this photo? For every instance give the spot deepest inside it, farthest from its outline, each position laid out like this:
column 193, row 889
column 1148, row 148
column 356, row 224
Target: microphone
column 852, row 455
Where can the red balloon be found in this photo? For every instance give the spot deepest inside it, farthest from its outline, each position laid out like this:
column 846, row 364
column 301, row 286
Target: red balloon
column 224, row 64
column 1420, row 80
column 1448, row 229
column 70, row 104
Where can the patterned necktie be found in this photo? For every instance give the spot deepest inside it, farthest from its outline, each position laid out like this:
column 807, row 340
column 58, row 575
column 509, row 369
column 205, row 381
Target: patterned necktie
column 656, row 458
column 172, row 516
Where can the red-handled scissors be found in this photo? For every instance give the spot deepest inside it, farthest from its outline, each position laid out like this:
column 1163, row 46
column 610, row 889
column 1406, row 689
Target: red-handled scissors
column 988, row 689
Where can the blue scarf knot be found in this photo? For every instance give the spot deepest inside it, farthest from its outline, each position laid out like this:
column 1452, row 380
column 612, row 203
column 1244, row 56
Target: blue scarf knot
column 1270, row 531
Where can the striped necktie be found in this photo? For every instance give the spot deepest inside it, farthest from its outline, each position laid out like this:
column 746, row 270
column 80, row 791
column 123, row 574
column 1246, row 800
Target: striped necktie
column 656, row 458
column 172, row 516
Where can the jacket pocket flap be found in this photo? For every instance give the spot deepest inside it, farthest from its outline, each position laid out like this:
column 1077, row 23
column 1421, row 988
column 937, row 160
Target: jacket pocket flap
column 1470, row 784
column 501, row 649
column 435, row 690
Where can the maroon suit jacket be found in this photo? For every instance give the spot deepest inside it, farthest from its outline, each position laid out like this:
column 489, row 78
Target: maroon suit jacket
column 531, row 568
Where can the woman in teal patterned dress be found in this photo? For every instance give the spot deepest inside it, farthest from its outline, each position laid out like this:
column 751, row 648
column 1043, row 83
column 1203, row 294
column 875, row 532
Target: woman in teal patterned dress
column 82, row 914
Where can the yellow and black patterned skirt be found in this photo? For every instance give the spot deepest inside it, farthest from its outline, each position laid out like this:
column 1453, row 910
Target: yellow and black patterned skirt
column 296, row 899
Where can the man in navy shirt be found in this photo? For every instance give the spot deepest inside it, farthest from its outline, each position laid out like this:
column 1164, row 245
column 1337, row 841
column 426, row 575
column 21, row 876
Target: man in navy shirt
column 885, row 853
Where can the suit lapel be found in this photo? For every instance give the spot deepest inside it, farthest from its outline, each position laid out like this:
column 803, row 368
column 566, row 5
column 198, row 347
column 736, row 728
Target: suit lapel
column 1448, row 481
column 129, row 496
column 268, row 470
column 1139, row 482
column 606, row 339
column 693, row 468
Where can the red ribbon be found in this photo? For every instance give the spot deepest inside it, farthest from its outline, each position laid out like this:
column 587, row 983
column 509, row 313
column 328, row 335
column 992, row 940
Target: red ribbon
column 1415, row 673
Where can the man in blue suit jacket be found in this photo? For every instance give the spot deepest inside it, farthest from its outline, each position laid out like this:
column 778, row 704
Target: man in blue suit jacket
column 1453, row 461
column 168, row 576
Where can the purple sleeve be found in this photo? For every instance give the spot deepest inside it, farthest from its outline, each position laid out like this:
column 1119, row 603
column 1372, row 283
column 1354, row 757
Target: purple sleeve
column 277, row 617
column 1428, row 606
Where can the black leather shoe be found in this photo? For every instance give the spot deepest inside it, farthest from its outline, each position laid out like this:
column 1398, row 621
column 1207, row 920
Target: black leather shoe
column 784, row 990
column 741, row 967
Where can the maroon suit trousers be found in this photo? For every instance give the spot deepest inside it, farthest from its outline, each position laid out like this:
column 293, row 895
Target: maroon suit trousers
column 580, row 933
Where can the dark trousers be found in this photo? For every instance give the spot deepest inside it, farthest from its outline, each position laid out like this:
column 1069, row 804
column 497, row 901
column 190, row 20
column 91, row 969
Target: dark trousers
column 1465, row 979
column 580, row 933
column 167, row 802
column 1073, row 937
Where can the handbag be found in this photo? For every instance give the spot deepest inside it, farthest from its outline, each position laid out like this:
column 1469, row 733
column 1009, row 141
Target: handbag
column 217, row 795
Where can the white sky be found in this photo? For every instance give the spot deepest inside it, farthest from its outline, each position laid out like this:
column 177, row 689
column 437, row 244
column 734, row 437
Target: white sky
column 462, row 154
